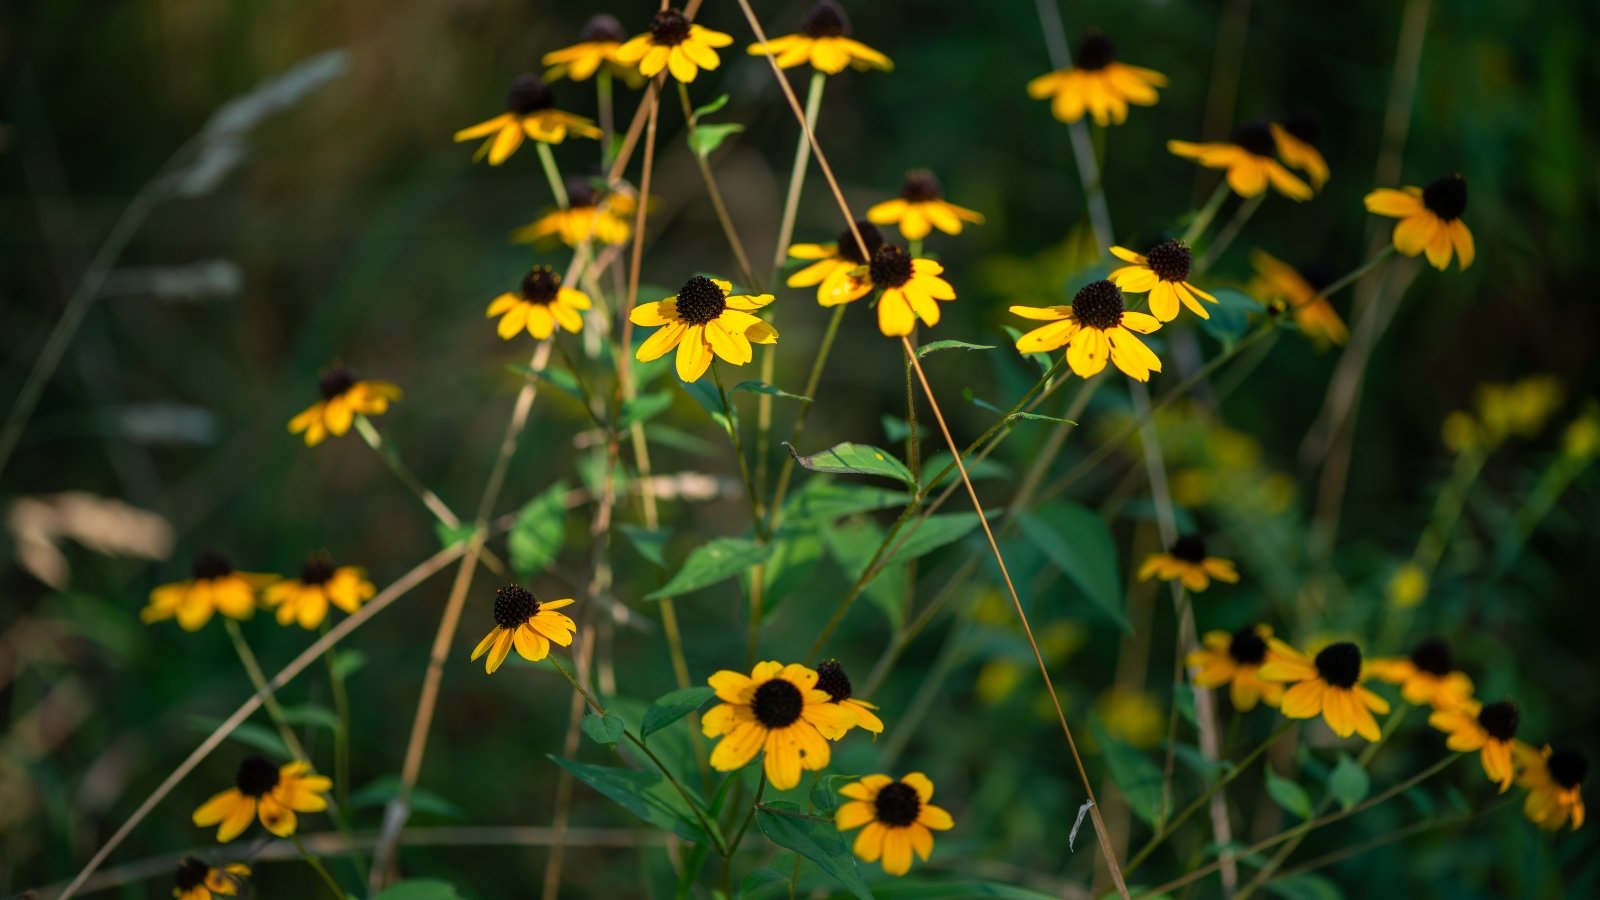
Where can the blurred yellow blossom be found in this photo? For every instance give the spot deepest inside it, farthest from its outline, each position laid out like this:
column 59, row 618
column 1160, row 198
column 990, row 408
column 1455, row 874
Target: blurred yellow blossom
column 1133, row 717
column 1408, row 586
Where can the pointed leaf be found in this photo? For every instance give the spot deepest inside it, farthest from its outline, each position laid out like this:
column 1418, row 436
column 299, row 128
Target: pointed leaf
column 540, row 531
column 708, row 137
column 1349, row 783
column 1078, row 542
column 645, row 794
column 718, row 560
column 673, row 706
column 761, row 387
column 1137, row 777
column 856, row 459
column 936, row 346
column 814, row 838
column 1292, row 797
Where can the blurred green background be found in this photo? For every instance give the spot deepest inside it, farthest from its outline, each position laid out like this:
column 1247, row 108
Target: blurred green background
column 358, row 231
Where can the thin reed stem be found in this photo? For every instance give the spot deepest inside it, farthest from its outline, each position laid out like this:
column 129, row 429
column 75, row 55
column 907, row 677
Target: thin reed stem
column 742, row 259
column 558, row 187
column 316, row 864
column 809, row 393
column 1202, row 219
column 341, row 737
column 391, row 458
column 258, row 680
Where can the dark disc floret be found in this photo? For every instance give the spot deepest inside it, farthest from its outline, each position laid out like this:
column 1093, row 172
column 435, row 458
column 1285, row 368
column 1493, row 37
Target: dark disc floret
column 336, row 381
column 211, row 564
column 1247, row 647
column 529, row 94
column 1446, row 197
column 825, row 19
column 1170, row 260
column 1568, row 768
column 541, row 285
column 514, row 605
column 1304, row 125
column 897, row 804
column 831, row 677
column 1340, row 664
column 669, row 28
column 870, row 235
column 1095, row 53
column 1434, row 657
column 700, row 300
column 1255, row 137
column 581, row 193
column 1317, row 274
column 1098, row 304
column 316, row 570
column 1500, row 719
column 1191, row 548
column 891, row 266
column 777, row 703
column 190, row 874
column 602, row 29
column 921, row 186
column 257, row 775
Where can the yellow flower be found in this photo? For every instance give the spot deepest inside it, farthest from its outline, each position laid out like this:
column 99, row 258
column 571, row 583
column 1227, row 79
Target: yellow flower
column 1519, row 409
column 1095, row 327
column 1132, row 716
column 1164, row 273
column 530, row 111
column 539, row 305
column 921, row 207
column 1297, row 147
column 591, row 215
column 1235, row 660
column 1428, row 676
column 598, row 43
column 910, row 287
column 703, row 319
column 675, row 44
column 1097, row 83
column 838, row 270
column 1328, row 685
column 1554, row 780
column 899, row 819
column 343, row 398
column 306, row 599
column 1187, row 560
column 824, row 41
column 1277, row 281
column 271, row 793
column 195, row 880
column 1430, row 220
column 215, row 588
column 521, row 621
column 777, row 711
column 1408, row 586
column 831, row 678
column 1582, row 438
column 1248, row 159
column 1490, row 729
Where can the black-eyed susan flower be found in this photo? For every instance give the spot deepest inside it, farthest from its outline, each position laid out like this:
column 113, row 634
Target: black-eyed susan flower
column 838, row 270
column 824, row 41
column 196, row 880
column 777, row 711
column 530, row 113
column 539, row 305
column 306, row 599
column 675, row 44
column 1297, row 146
column 344, row 396
column 215, row 587
column 1187, row 560
column 898, row 816
column 598, row 42
column 521, row 621
column 591, row 215
column 1094, row 328
column 921, row 207
column 911, row 289
column 1430, row 220
column 1328, row 685
column 831, row 678
column 1098, row 84
column 1489, row 728
column 1427, row 677
column 1248, row 158
column 1278, row 282
column 1235, row 660
column 705, row 318
column 267, row 792
column 1164, row 274
column 1554, row 779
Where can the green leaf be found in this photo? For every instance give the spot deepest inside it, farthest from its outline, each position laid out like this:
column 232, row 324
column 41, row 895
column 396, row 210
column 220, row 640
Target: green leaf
column 715, row 561
column 1305, row 886
column 540, row 531
column 1036, row 417
column 1135, row 775
column 311, row 715
column 825, row 793
column 956, row 890
column 709, row 108
column 650, row 544
column 933, row 533
column 645, row 794
column 559, row 379
column 824, row 500
column 851, row 544
column 936, row 346
column 643, row 407
column 1292, row 797
column 1079, row 543
column 605, row 729
column 856, row 459
column 796, row 550
column 248, row 733
column 1041, row 359
column 380, row 791
column 707, row 138
column 671, row 707
column 1230, row 315
column 814, row 838
column 1349, row 783
column 419, row 889
column 348, row 662
column 761, row 387
column 764, row 884
column 451, row 535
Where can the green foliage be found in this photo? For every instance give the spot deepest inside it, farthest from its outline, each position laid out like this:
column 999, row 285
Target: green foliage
column 1289, row 795
column 856, row 459
column 1079, row 544
column 714, row 561
column 815, row 838
column 1136, row 776
column 540, row 531
column 419, row 889
column 673, row 706
column 1349, row 783
column 647, row 795
column 607, row 729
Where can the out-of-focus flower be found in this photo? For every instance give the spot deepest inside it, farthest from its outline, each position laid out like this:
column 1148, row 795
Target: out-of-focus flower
column 343, row 398
column 1164, row 273
column 1133, row 717
column 1235, row 660
column 216, row 587
column 675, row 44
column 1187, row 560
column 530, row 113
column 591, row 215
column 1327, row 685
column 1248, row 158
column 195, row 880
column 921, row 207
column 1408, row 586
column 1297, row 146
column 306, row 599
column 268, row 792
column 598, row 43
column 1097, row 83
column 1427, row 677
column 1489, row 728
column 1554, row 779
column 839, row 271
column 1277, row 281
column 1430, row 220
column 824, row 41
column 539, row 305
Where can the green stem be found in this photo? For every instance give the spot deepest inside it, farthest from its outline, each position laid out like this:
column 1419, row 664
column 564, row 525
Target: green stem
column 258, row 679
column 786, row 472
column 728, row 231
column 391, row 457
column 1202, row 220
column 341, row 737
column 757, row 516
column 602, row 89
column 557, row 186
column 738, row 836
column 1356, row 273
column 583, row 384
column 322, row 870
column 1230, row 231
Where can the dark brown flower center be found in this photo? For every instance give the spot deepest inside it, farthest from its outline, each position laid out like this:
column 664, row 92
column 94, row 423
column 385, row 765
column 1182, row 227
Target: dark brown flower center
column 825, row 19
column 1191, row 548
column 1255, row 137
column 1170, row 260
column 700, row 300
column 528, row 94
column 832, row 678
column 897, row 804
column 1568, row 768
column 1434, row 657
column 1304, row 125
column 669, row 28
column 870, row 235
column 257, row 775
column 602, row 29
column 191, row 874
column 211, row 564
column 921, row 186
column 1095, row 53
column 336, row 381
column 891, row 266
column 541, row 285
column 777, row 703
column 316, row 570
column 1500, row 719
column 1247, row 647
column 580, row 193
column 1098, row 304
column 1340, row 664
column 514, row 605
column 1446, row 197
